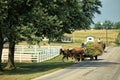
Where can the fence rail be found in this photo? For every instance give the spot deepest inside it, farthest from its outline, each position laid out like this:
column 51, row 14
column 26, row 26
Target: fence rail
column 32, row 53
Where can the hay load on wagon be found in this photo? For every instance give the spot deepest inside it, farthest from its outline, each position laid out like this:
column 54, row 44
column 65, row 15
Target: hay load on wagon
column 93, row 50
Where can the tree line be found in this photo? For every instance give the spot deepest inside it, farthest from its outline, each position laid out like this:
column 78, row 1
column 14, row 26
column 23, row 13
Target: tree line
column 107, row 24
column 28, row 20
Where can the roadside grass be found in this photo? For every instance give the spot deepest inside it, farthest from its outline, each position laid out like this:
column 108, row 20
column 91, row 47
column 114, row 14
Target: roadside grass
column 27, row 71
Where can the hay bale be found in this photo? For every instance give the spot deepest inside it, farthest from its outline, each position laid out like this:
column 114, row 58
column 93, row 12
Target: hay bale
column 93, row 49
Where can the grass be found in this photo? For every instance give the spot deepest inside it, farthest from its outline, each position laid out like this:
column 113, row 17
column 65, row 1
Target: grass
column 80, row 36
column 27, row 71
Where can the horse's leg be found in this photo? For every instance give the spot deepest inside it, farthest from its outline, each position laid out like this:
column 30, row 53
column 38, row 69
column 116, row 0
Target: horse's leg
column 77, row 58
column 74, row 58
column 67, row 58
column 80, row 57
column 83, row 57
column 63, row 58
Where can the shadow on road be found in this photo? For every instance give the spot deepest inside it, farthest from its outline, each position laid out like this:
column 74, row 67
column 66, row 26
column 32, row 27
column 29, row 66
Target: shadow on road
column 93, row 64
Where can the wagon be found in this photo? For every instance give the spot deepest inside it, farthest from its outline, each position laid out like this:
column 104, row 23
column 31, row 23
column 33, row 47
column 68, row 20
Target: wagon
column 93, row 50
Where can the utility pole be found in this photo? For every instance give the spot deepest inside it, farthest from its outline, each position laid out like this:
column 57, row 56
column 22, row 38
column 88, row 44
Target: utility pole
column 106, row 37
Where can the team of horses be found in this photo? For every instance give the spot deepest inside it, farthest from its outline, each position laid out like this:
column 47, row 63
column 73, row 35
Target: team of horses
column 78, row 54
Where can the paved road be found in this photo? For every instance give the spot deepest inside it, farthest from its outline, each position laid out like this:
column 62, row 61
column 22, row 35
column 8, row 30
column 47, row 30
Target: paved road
column 106, row 68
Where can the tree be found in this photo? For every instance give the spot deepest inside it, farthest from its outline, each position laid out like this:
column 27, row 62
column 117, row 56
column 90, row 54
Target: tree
column 71, row 14
column 16, row 14
column 90, row 7
column 1, row 47
column 98, row 26
column 3, row 15
column 59, row 17
column 107, row 24
column 117, row 25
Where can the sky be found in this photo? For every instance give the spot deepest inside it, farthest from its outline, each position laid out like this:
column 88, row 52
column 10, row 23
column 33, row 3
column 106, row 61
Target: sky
column 110, row 11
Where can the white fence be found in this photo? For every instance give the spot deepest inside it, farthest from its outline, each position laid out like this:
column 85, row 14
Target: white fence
column 32, row 53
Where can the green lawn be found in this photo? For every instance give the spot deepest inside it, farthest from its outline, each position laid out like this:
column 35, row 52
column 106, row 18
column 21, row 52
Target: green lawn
column 27, row 71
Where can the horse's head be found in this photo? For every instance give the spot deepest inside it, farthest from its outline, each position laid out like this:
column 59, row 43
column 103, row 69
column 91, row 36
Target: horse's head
column 61, row 51
column 64, row 51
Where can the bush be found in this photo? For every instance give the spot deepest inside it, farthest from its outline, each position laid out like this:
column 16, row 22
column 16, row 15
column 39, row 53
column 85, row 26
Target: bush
column 93, row 49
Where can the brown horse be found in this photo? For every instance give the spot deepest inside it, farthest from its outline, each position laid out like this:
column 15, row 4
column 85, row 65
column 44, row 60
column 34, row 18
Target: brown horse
column 65, row 53
column 103, row 46
column 77, row 53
